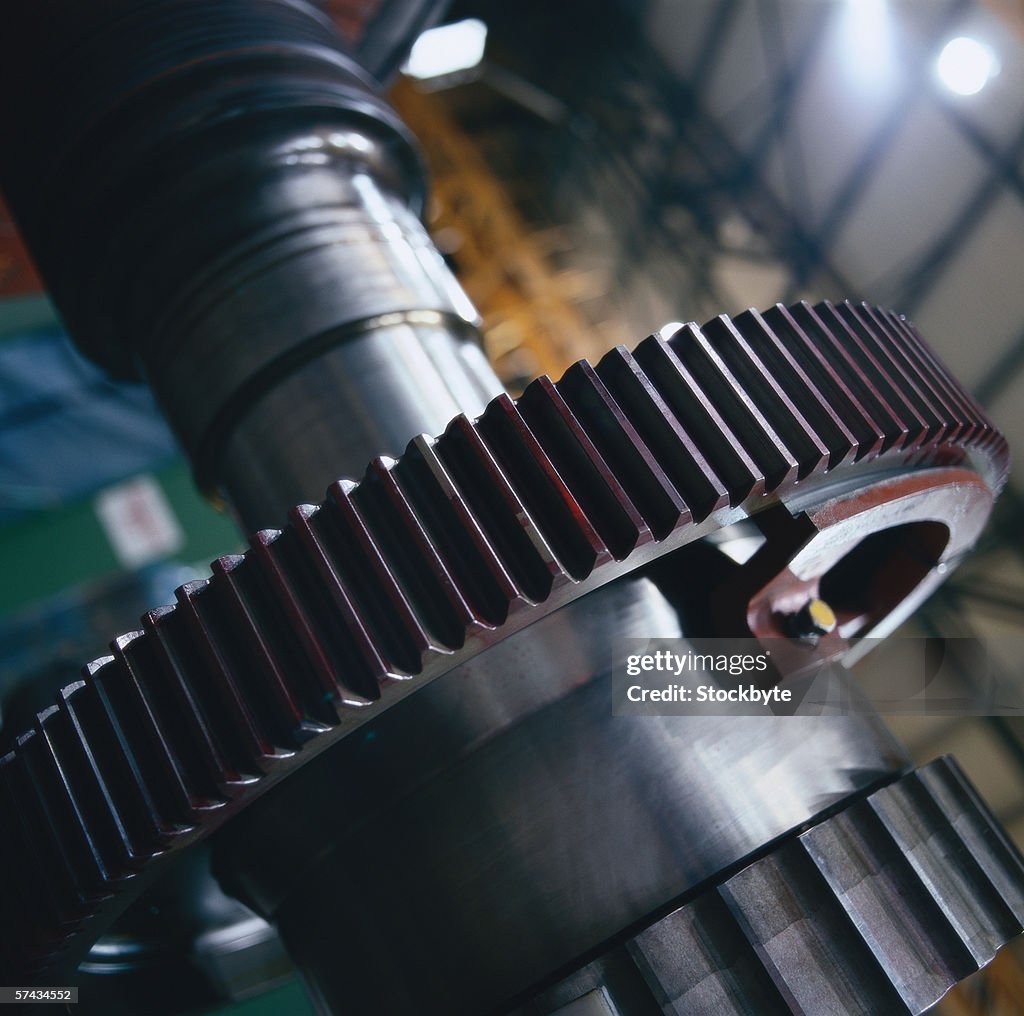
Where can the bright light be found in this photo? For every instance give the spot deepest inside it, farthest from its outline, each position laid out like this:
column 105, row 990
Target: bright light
column 965, row 65
column 868, row 50
column 447, row 49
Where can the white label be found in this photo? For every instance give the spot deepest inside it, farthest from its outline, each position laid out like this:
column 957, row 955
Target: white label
column 139, row 522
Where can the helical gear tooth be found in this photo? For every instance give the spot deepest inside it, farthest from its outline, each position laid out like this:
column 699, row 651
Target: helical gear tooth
column 119, row 770
column 946, row 866
column 839, row 346
column 982, row 434
column 812, row 950
column 957, row 413
column 612, row 433
column 701, row 419
column 759, row 375
column 171, row 686
column 142, row 742
column 986, row 436
column 798, row 386
column 346, row 651
column 400, row 533
column 700, row 489
column 96, row 860
column 500, row 511
column 593, row 484
column 807, row 348
column 941, row 417
column 250, row 637
column 698, row 960
column 104, row 800
column 966, row 404
column 958, row 801
column 34, row 892
column 892, row 380
column 552, row 505
column 304, row 675
column 162, row 726
column 369, row 574
column 469, row 556
column 908, row 936
column 43, row 859
column 245, row 737
column 747, row 419
column 82, row 874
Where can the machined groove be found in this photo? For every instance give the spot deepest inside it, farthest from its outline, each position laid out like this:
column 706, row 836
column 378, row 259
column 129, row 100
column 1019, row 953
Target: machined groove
column 472, row 560
column 94, row 865
column 439, row 602
column 954, row 395
column 863, row 381
column 740, row 408
column 215, row 677
column 319, row 675
column 801, row 345
column 595, row 488
column 674, row 450
column 171, row 680
column 652, row 493
column 809, row 451
column 122, row 788
column 898, row 364
column 243, row 631
column 430, row 558
column 559, row 517
column 112, row 826
column 796, row 383
column 349, row 660
column 698, row 416
column 893, row 396
column 493, row 501
column 386, row 609
column 177, row 799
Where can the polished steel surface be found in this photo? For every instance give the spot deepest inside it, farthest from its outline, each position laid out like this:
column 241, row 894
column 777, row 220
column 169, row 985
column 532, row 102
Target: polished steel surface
column 364, row 397
column 504, row 823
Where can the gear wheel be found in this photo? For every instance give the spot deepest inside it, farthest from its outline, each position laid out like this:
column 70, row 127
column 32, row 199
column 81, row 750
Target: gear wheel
column 880, row 908
column 429, row 559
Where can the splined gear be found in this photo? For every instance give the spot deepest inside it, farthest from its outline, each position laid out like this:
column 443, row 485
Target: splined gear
column 881, row 908
column 427, row 560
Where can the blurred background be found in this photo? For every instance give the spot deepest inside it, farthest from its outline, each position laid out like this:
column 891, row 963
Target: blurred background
column 600, row 169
